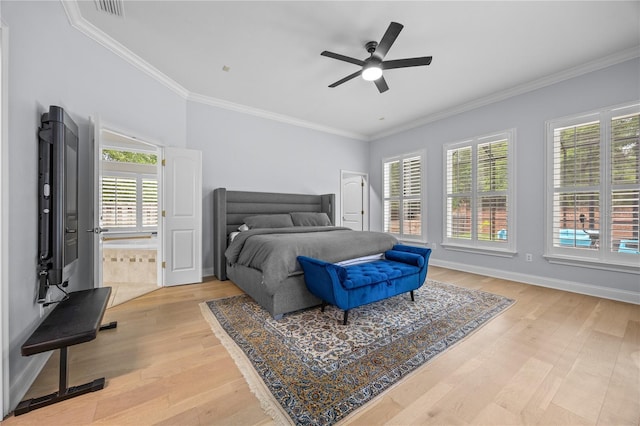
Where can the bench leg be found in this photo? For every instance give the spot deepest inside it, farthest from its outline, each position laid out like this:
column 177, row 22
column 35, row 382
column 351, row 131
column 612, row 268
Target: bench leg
column 412, row 299
column 323, row 305
column 344, row 319
column 111, row 325
column 63, row 393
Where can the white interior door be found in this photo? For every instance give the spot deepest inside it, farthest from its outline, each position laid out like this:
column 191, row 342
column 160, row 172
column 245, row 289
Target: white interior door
column 97, row 203
column 354, row 203
column 182, row 200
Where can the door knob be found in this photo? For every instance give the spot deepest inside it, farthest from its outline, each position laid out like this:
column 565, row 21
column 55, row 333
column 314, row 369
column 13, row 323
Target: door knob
column 97, row 230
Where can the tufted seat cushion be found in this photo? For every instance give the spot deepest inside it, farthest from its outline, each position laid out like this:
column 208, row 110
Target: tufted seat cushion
column 378, row 271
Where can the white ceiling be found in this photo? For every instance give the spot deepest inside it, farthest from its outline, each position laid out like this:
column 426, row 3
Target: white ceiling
column 482, row 51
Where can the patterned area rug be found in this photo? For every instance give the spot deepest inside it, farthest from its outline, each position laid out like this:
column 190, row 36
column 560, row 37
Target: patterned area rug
column 308, row 368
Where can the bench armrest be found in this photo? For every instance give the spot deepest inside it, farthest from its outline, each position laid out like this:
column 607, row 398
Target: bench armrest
column 405, row 257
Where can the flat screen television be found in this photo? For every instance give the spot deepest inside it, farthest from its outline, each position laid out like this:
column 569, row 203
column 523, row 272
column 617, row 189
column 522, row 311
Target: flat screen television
column 58, row 200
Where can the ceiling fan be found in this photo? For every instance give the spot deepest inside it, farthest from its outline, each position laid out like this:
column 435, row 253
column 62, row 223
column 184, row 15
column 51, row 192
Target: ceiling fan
column 372, row 66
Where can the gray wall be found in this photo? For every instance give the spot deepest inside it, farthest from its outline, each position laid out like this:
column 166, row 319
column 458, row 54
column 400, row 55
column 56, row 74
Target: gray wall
column 526, row 113
column 248, row 153
column 52, row 63
column 240, row 151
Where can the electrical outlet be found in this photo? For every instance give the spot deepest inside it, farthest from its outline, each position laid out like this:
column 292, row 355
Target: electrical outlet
column 529, row 257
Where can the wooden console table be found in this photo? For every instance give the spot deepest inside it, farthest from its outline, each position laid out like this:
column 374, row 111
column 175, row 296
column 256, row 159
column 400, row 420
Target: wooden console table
column 73, row 321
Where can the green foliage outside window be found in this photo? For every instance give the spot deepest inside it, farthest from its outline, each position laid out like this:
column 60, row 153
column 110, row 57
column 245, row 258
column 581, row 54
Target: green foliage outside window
column 129, row 157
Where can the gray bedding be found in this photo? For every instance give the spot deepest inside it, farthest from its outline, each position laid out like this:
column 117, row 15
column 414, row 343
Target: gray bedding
column 274, row 251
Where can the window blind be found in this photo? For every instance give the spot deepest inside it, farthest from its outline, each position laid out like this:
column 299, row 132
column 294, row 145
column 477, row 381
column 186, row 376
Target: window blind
column 412, row 191
column 594, row 168
column 129, row 202
column 492, row 185
column 576, row 177
column 149, row 202
column 625, row 180
column 478, row 205
column 459, row 176
column 402, row 204
column 119, row 206
column 392, row 197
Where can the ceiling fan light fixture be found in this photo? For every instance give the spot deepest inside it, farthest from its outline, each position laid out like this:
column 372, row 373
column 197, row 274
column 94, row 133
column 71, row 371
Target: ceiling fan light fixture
column 372, row 72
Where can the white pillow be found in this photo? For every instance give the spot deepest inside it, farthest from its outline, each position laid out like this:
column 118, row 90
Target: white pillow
column 243, row 227
column 233, row 235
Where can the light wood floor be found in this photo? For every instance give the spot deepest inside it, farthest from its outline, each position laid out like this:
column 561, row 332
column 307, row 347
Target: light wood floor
column 552, row 358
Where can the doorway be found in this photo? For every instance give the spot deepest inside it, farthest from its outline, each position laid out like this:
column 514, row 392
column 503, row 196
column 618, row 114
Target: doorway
column 129, row 231
column 354, row 187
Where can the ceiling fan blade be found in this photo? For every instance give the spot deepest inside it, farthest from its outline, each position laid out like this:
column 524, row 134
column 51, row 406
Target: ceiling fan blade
column 381, row 84
column 342, row 58
column 388, row 39
column 404, row 63
column 347, row 78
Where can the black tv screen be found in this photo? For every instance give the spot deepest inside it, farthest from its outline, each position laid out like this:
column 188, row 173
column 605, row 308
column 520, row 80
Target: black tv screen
column 58, row 199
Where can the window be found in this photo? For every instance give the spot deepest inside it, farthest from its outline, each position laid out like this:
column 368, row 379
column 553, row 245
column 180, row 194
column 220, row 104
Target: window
column 593, row 170
column 403, row 195
column 149, row 202
column 479, row 193
column 129, row 191
column 119, row 202
column 129, row 203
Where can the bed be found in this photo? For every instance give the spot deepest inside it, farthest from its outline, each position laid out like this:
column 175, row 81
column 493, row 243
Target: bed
column 280, row 288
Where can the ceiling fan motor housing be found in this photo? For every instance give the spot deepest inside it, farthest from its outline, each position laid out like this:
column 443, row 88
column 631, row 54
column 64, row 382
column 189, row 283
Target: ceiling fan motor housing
column 371, row 46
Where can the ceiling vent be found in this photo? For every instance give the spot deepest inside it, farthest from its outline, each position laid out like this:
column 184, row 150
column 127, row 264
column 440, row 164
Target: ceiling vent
column 112, row 7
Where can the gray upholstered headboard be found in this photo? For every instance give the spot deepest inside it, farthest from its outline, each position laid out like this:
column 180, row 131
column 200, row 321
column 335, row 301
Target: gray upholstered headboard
column 231, row 207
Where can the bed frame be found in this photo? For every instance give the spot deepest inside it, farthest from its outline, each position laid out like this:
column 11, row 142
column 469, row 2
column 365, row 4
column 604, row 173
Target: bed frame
column 229, row 210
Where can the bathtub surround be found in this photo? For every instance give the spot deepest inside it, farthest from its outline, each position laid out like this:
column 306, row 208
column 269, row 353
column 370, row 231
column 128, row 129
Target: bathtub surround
column 129, row 265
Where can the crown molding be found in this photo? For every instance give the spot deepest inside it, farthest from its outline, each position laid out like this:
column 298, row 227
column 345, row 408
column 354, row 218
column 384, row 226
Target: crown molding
column 78, row 22
column 604, row 62
column 272, row 116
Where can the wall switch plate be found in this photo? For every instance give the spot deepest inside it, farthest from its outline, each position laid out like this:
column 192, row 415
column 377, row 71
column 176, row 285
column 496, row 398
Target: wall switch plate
column 529, row 257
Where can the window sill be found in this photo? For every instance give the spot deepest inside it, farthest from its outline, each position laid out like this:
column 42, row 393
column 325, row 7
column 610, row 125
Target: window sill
column 593, row 263
column 413, row 242
column 480, row 250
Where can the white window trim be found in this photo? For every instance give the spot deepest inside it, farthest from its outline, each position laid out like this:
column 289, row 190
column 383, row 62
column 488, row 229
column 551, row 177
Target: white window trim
column 595, row 259
column 491, row 248
column 422, row 239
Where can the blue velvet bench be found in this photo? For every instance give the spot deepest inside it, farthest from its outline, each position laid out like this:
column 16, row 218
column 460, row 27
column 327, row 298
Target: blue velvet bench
column 403, row 269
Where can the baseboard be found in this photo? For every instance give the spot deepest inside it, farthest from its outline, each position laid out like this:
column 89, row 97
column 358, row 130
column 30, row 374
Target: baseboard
column 571, row 286
column 29, row 374
column 207, row 272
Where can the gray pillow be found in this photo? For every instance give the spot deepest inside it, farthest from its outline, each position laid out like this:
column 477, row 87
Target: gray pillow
column 310, row 219
column 269, row 221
